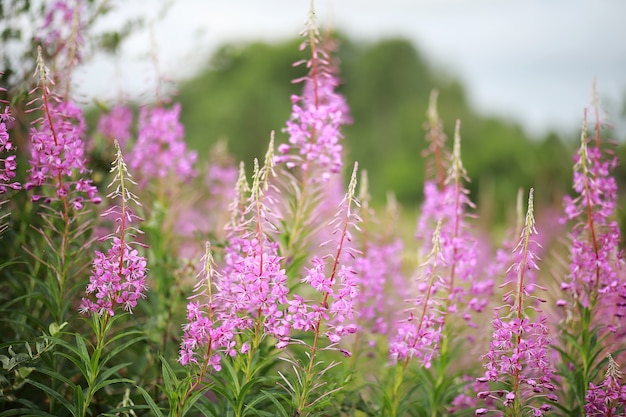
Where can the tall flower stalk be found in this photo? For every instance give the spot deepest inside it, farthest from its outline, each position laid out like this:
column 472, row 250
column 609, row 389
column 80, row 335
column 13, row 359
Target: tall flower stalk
column 607, row 399
column 419, row 336
column 517, row 362
column 58, row 175
column 313, row 152
column 332, row 276
column 8, row 164
column 236, row 308
column 117, row 281
column 594, row 286
column 446, row 288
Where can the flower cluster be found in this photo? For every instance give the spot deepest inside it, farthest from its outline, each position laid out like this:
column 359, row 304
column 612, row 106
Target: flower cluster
column 448, row 204
column 7, row 164
column 60, row 18
column 160, row 149
column 594, row 258
column 116, row 124
column 250, row 288
column 608, row 398
column 204, row 334
column 317, row 115
column 119, row 275
column 333, row 276
column 57, row 148
column 518, row 352
column 420, row 334
column 118, row 278
column 377, row 271
column 253, row 286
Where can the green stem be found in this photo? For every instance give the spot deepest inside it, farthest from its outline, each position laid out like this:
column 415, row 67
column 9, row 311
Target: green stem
column 102, row 326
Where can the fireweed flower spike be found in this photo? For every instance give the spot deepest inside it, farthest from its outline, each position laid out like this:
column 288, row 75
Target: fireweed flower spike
column 436, row 139
column 8, row 164
column 249, row 290
column 338, row 286
column 317, row 115
column 450, row 206
column 419, row 335
column 333, row 277
column 253, row 285
column 517, row 361
column 160, row 150
column 57, row 149
column 594, row 258
column 202, row 337
column 609, row 398
column 118, row 276
column 61, row 35
column 116, row 124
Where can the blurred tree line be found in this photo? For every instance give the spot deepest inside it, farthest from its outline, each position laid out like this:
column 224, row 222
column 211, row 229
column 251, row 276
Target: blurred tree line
column 244, row 94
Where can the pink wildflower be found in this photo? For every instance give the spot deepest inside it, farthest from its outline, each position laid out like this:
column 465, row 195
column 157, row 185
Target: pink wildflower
column 160, row 150
column 333, row 276
column 608, row 398
column 420, row 334
column 57, row 149
column 595, row 259
column 317, row 115
column 116, row 124
column 518, row 352
column 7, row 164
column 118, row 276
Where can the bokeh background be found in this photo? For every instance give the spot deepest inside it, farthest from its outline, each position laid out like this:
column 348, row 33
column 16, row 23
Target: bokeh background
column 517, row 74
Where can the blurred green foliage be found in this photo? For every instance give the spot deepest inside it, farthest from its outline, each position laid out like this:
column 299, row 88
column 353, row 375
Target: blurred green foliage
column 244, row 94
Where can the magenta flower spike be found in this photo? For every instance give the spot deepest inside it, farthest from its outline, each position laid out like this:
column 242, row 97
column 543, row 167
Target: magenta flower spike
column 517, row 361
column 419, row 335
column 594, row 258
column 249, row 292
column 118, row 276
column 57, row 148
column 204, row 336
column 317, row 115
column 608, row 399
column 116, row 124
column 8, row 165
column 160, row 150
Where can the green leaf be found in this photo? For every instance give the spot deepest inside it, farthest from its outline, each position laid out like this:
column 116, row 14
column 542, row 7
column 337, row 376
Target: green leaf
column 76, row 361
column 121, row 347
column 54, row 394
column 79, row 400
column 169, row 377
column 110, row 371
column 156, row 411
column 107, row 382
column 53, row 374
column 274, row 400
column 193, row 399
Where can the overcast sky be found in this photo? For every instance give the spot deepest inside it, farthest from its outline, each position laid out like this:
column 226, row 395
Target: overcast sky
column 532, row 60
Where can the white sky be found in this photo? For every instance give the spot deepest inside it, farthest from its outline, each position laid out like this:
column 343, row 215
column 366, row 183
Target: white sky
column 531, row 60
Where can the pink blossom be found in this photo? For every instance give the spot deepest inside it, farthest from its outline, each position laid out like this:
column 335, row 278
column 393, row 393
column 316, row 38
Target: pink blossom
column 518, row 351
column 8, row 164
column 317, row 115
column 118, row 276
column 58, row 150
column 160, row 150
column 595, row 259
column 116, row 124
